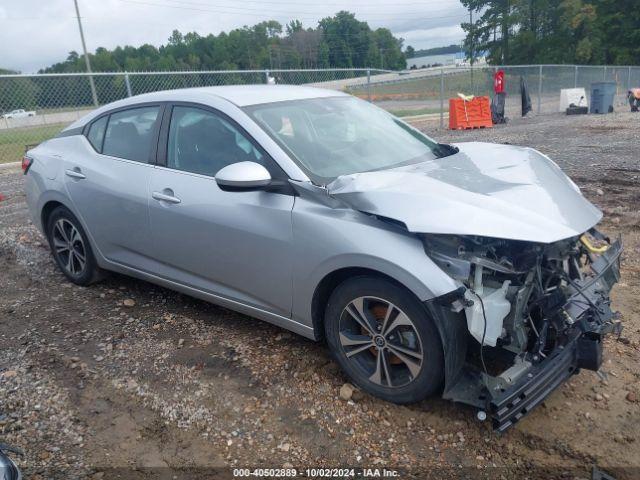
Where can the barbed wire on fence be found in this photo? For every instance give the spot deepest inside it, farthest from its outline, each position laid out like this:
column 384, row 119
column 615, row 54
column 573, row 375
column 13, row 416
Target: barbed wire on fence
column 49, row 102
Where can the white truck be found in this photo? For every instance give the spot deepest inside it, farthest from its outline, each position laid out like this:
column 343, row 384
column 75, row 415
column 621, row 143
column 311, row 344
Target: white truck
column 20, row 113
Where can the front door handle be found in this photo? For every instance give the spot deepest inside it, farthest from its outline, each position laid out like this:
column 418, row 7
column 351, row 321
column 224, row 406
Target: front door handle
column 166, row 196
column 75, row 173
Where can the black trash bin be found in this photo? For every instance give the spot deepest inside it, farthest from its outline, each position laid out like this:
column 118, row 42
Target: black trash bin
column 602, row 96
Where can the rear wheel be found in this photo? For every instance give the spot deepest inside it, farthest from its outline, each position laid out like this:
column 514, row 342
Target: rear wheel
column 384, row 340
column 70, row 247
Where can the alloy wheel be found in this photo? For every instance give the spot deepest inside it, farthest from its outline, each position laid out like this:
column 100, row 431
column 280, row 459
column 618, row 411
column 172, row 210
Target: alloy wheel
column 69, row 247
column 381, row 341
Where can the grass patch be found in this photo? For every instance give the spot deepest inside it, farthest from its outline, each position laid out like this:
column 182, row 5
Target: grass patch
column 409, row 112
column 14, row 140
column 428, row 87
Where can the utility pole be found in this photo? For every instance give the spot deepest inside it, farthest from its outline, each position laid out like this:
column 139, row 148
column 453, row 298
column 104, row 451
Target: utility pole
column 471, row 53
column 86, row 56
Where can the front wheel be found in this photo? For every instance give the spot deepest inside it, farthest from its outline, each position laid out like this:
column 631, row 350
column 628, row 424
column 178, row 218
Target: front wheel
column 384, row 340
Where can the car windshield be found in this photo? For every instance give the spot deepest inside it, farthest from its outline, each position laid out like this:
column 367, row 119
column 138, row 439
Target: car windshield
column 334, row 136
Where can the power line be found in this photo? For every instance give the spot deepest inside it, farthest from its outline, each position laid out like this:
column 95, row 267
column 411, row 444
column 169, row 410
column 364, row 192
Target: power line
column 186, row 5
column 121, row 19
column 19, row 19
column 308, row 15
column 262, row 15
column 289, row 12
column 342, row 4
column 101, row 20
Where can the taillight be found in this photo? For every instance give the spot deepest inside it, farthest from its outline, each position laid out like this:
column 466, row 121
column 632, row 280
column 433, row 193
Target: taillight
column 26, row 164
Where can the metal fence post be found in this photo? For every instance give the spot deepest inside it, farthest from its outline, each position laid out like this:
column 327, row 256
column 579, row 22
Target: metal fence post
column 540, row 90
column 266, row 77
column 575, row 77
column 629, row 79
column 128, row 84
column 369, row 85
column 442, row 98
column 604, row 73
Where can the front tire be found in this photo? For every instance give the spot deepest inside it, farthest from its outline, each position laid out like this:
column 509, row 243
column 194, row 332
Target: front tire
column 71, row 249
column 384, row 340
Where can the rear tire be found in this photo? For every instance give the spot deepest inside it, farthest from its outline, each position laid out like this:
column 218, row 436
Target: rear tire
column 71, row 248
column 384, row 340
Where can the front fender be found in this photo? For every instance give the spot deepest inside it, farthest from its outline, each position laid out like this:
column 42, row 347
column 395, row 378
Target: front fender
column 330, row 239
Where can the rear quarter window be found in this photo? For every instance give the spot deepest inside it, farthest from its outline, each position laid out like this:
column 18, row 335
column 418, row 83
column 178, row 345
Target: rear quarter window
column 95, row 135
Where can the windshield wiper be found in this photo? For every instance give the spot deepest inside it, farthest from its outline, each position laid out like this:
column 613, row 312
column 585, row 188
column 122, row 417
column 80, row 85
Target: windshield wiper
column 445, row 150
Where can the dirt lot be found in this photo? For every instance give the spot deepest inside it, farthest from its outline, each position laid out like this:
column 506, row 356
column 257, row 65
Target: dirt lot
column 89, row 384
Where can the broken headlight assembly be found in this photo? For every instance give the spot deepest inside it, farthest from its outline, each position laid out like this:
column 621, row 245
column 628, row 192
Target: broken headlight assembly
column 523, row 304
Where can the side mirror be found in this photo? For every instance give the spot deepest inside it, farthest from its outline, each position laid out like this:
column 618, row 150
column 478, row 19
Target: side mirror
column 243, row 176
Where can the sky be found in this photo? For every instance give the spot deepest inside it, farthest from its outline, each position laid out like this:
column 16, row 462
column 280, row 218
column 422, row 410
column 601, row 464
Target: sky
column 37, row 33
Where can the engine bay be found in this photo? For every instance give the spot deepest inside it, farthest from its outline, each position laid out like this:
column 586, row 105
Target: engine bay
column 525, row 302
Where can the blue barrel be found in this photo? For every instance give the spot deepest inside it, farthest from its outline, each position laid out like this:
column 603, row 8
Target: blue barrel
column 602, row 96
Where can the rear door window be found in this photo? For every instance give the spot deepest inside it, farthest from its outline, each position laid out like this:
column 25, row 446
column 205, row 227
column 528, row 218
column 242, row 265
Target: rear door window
column 130, row 133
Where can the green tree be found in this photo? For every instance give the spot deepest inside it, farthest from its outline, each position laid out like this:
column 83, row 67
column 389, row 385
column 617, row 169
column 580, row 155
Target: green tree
column 294, row 26
column 555, row 31
column 390, row 49
column 619, row 24
column 351, row 43
column 492, row 30
column 339, row 41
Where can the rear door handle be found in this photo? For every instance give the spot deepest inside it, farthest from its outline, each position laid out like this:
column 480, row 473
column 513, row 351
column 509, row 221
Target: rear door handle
column 166, row 197
column 75, row 173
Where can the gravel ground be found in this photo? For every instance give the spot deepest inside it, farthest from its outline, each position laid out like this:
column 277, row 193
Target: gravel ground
column 128, row 378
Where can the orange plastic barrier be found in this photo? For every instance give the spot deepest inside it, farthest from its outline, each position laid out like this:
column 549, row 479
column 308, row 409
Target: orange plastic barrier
column 473, row 114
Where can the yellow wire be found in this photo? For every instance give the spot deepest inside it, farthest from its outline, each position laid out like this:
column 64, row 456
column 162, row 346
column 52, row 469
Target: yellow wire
column 593, row 249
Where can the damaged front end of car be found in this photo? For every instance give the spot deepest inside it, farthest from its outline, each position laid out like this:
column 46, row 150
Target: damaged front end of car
column 535, row 315
column 533, row 275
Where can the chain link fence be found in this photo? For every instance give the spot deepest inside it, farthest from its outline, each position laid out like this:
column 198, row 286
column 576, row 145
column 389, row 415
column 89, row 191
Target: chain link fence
column 429, row 91
column 34, row 108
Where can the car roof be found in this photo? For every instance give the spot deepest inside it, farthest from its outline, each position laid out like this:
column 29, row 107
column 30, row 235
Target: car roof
column 241, row 95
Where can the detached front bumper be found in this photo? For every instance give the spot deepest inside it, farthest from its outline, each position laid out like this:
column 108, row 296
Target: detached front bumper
column 509, row 406
column 589, row 310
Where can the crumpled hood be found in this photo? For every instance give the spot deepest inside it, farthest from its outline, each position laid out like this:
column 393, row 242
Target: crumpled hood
column 485, row 189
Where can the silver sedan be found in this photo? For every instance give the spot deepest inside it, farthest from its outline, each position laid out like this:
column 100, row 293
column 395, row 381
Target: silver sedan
column 471, row 270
